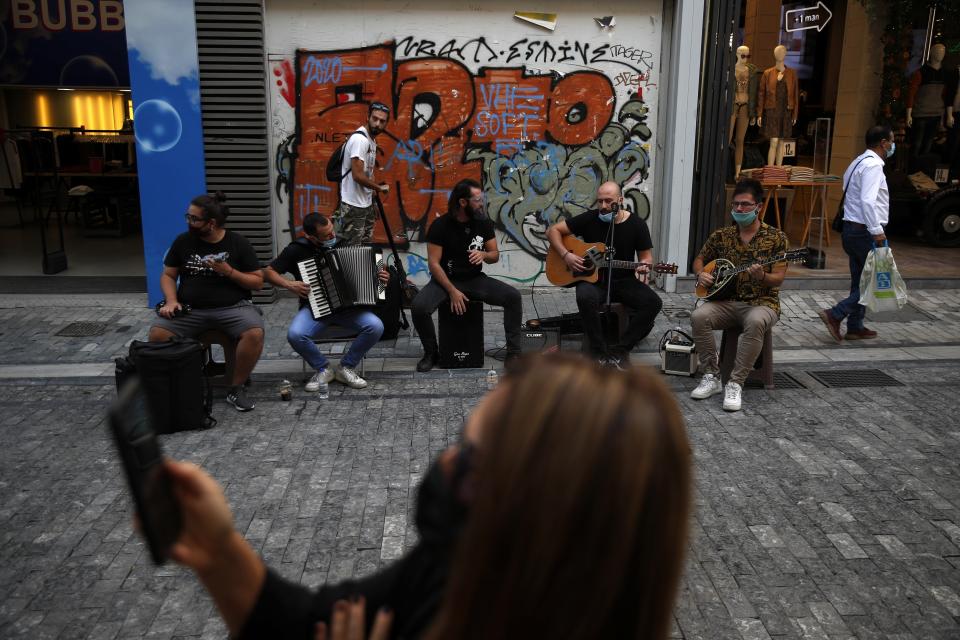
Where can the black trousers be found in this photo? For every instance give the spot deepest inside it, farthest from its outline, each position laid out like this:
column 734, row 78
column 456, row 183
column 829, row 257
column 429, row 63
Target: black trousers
column 641, row 301
column 482, row 288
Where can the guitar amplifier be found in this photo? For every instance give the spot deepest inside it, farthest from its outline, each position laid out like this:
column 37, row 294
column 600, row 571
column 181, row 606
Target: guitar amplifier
column 539, row 340
column 679, row 357
column 461, row 337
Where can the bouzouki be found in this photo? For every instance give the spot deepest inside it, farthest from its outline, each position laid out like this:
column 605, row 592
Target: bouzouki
column 594, row 259
column 725, row 274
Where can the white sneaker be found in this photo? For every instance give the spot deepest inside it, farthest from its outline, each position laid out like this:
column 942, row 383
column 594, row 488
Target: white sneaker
column 325, row 375
column 349, row 377
column 731, row 397
column 710, row 385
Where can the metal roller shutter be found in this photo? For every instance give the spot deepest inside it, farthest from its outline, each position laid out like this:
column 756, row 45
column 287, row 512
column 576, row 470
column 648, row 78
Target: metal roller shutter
column 234, row 102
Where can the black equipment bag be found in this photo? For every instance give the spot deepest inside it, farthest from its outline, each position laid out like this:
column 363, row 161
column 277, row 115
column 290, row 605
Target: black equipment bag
column 837, row 224
column 408, row 290
column 389, row 309
column 171, row 374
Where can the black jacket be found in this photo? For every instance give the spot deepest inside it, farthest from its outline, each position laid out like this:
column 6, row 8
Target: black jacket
column 412, row 586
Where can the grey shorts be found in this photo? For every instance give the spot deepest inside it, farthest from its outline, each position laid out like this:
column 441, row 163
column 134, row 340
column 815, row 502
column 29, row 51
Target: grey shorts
column 233, row 320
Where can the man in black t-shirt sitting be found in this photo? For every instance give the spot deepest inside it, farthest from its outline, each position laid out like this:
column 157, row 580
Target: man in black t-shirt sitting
column 217, row 270
column 631, row 242
column 458, row 243
column 320, row 236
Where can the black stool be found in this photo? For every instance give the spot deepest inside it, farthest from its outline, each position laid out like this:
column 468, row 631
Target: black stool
column 461, row 337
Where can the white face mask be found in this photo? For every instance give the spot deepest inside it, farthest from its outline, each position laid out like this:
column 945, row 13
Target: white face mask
column 892, row 149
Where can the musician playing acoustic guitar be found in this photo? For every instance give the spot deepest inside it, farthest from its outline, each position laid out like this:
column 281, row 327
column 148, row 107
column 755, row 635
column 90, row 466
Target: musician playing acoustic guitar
column 631, row 237
column 755, row 304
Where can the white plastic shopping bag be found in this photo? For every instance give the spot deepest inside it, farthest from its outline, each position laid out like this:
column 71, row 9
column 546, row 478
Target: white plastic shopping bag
column 881, row 287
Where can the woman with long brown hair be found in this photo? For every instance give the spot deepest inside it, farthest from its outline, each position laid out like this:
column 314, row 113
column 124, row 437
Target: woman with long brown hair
column 578, row 518
column 565, row 511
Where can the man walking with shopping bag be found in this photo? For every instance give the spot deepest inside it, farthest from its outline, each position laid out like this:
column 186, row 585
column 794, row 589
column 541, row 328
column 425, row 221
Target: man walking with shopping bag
column 866, row 209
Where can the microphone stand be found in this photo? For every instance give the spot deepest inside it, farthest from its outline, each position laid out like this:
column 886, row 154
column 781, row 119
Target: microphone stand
column 610, row 254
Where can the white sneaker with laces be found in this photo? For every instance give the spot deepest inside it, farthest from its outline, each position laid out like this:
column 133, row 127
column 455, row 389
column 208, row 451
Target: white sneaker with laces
column 325, row 374
column 731, row 397
column 709, row 385
column 349, row 377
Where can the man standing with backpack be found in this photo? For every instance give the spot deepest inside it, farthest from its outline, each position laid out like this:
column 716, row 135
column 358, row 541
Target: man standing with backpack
column 357, row 211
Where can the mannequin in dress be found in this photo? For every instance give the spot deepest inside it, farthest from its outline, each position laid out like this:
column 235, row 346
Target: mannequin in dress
column 925, row 99
column 743, row 88
column 777, row 99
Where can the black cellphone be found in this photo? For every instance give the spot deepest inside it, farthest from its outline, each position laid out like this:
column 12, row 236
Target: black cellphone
column 151, row 487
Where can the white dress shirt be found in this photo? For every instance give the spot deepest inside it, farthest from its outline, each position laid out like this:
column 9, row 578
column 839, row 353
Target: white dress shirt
column 868, row 199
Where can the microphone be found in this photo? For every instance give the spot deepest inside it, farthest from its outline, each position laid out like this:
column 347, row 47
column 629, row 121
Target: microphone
column 615, row 207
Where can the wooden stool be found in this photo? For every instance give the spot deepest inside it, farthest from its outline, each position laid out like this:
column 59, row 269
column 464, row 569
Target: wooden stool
column 461, row 337
column 332, row 335
column 214, row 369
column 762, row 368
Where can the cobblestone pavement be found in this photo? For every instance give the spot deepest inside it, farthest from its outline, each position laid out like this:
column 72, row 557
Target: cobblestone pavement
column 821, row 511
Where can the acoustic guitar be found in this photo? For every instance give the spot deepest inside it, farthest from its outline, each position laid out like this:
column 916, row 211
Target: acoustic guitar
column 594, row 259
column 725, row 274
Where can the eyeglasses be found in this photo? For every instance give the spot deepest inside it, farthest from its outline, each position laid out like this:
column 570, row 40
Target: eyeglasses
column 192, row 219
column 742, row 204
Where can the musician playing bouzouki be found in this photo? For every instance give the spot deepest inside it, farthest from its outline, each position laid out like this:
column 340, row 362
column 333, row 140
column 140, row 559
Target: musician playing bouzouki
column 631, row 241
column 755, row 304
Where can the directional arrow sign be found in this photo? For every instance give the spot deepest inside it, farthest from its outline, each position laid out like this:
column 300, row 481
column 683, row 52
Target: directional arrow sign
column 808, row 18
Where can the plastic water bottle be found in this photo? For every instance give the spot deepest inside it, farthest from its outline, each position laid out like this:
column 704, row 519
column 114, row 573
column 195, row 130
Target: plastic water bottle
column 323, row 392
column 492, row 379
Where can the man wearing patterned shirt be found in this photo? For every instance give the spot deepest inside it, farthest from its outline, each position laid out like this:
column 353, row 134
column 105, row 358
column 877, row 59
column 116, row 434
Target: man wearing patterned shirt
column 755, row 305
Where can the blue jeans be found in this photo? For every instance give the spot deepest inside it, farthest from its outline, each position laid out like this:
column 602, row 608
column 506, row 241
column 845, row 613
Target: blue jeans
column 857, row 242
column 304, row 328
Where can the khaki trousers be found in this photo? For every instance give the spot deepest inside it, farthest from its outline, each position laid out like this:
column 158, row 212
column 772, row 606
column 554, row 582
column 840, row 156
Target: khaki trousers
column 753, row 320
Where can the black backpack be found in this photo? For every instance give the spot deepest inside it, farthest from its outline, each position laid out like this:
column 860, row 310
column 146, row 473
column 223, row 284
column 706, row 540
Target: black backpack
column 335, row 163
column 171, row 375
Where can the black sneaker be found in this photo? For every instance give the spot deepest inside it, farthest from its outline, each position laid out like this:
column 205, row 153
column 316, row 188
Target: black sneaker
column 511, row 361
column 238, row 398
column 428, row 361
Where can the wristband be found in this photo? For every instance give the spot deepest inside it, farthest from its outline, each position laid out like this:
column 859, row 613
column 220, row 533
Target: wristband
column 564, row 256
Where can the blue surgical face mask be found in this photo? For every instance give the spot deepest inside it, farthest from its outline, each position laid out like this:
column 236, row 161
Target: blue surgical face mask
column 744, row 219
column 606, row 217
column 328, row 244
column 892, row 149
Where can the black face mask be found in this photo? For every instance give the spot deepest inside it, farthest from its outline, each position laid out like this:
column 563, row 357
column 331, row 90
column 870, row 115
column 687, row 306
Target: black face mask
column 441, row 511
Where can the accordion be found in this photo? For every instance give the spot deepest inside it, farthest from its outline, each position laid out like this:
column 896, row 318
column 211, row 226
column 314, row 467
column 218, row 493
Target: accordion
column 342, row 278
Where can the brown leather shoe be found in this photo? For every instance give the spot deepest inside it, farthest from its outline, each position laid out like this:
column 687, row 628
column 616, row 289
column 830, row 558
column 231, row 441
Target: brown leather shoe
column 861, row 334
column 833, row 325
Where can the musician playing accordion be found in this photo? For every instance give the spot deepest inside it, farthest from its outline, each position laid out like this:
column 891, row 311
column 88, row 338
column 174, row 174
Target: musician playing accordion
column 319, row 237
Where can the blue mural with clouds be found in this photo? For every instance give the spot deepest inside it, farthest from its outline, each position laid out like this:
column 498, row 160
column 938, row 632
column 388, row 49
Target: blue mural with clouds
column 165, row 85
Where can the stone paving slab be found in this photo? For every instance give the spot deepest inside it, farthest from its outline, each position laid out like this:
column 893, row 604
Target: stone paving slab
column 819, row 512
column 28, row 324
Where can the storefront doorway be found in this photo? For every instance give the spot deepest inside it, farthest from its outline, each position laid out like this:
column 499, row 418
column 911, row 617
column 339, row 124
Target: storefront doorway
column 840, row 80
column 69, row 209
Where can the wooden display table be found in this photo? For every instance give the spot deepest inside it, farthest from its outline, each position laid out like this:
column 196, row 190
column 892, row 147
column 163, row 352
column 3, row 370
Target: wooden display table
column 817, row 194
